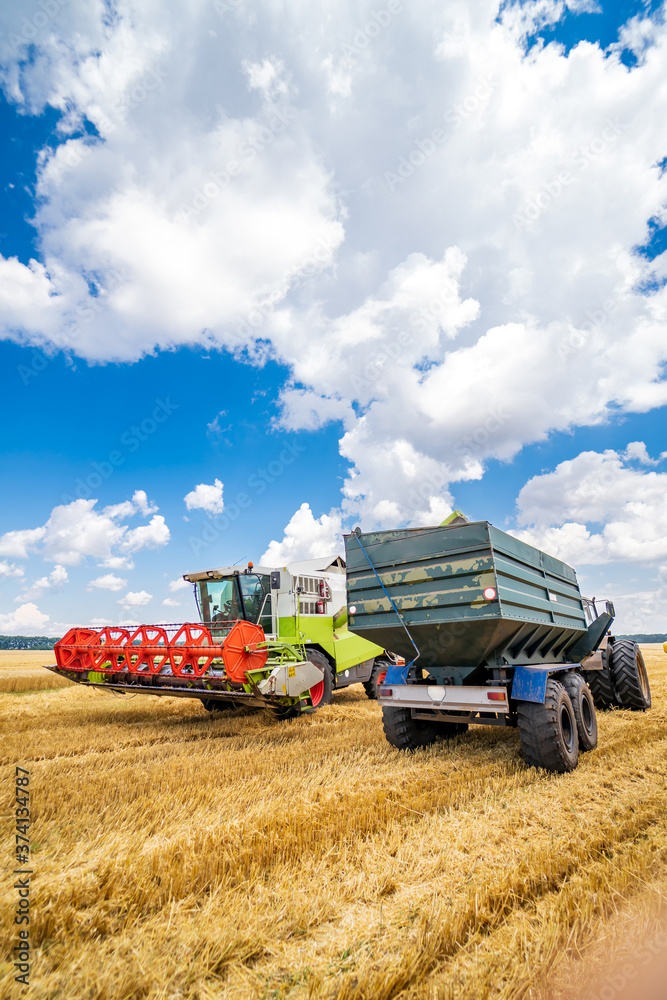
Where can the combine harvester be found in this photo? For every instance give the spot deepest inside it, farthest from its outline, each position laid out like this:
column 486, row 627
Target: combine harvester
column 266, row 637
column 494, row 632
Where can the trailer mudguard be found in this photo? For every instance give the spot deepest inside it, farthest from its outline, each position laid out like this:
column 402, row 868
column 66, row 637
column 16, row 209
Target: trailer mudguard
column 530, row 683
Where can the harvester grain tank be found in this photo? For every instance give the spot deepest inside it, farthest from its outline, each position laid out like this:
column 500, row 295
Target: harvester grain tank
column 493, row 632
column 265, row 637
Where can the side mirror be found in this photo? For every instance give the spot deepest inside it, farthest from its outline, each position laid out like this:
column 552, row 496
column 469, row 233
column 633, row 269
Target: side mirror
column 275, row 579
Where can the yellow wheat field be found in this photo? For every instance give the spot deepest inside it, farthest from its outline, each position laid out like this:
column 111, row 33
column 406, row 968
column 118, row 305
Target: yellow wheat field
column 22, row 670
column 178, row 855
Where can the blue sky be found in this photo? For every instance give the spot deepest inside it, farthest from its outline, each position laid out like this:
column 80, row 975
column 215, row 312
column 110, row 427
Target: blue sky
column 260, row 284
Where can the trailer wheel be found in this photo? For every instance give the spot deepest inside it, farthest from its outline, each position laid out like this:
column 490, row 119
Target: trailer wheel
column 548, row 732
column 378, row 674
column 406, row 733
column 584, row 709
column 601, row 683
column 630, row 677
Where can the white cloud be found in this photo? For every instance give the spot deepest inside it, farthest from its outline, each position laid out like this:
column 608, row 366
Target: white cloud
column 638, row 452
column 107, row 582
column 207, row 497
column 77, row 530
column 27, row 619
column 56, row 578
column 19, row 543
column 169, row 602
column 153, row 535
column 180, row 584
column 596, row 509
column 8, row 569
column 136, row 599
column 306, row 537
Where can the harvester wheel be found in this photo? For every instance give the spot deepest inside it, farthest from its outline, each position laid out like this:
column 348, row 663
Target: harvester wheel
column 322, row 693
column 407, row 733
column 218, row 705
column 630, row 677
column 378, row 674
column 601, row 683
column 584, row 709
column 548, row 732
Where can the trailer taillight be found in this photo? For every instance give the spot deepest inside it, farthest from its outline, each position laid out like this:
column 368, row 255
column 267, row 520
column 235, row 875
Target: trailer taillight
column 496, row 695
column 384, row 692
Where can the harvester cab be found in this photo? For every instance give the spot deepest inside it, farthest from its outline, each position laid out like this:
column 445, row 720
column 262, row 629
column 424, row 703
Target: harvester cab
column 265, row 636
column 302, row 603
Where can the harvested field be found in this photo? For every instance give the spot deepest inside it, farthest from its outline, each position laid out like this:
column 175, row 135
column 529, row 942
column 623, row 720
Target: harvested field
column 183, row 856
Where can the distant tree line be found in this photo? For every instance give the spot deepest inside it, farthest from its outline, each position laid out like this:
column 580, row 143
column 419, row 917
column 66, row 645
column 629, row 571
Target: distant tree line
column 28, row 641
column 645, row 637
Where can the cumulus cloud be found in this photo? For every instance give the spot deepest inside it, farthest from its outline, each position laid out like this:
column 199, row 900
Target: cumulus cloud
column 25, row 620
column 169, row 602
column 56, row 578
column 180, row 584
column 20, row 543
column 306, row 537
column 77, row 530
column 136, row 599
column 8, row 569
column 206, row 497
column 595, row 508
column 107, row 582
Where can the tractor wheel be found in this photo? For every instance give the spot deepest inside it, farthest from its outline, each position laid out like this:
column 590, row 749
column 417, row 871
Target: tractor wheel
column 218, row 705
column 406, row 733
column 548, row 732
column 601, row 683
column 584, row 709
column 377, row 677
column 630, row 677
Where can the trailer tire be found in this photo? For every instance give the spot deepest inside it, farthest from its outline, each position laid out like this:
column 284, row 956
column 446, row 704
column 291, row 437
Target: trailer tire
column 378, row 674
column 584, row 709
column 601, row 683
column 630, row 678
column 548, row 732
column 406, row 733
